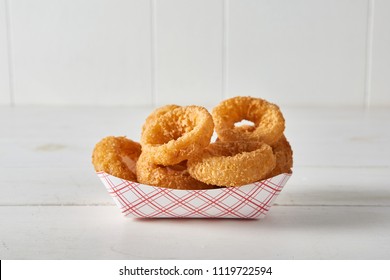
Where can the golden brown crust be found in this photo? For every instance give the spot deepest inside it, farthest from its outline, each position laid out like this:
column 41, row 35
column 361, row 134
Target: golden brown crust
column 117, row 156
column 177, row 135
column 173, row 177
column 284, row 157
column 232, row 163
column 267, row 118
column 157, row 113
column 176, row 149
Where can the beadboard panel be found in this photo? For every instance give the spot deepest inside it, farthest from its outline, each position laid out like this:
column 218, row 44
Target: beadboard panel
column 5, row 95
column 188, row 51
column 81, row 52
column 380, row 75
column 301, row 52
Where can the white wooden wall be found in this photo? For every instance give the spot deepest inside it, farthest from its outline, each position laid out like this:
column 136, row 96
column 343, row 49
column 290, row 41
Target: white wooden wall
column 137, row 52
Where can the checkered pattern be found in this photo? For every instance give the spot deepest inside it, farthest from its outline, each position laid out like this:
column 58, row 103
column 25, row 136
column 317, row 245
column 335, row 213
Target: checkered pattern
column 248, row 202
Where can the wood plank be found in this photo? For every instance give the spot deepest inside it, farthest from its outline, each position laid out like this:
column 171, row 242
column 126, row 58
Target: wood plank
column 53, row 186
column 338, row 186
column 308, row 186
column 287, row 233
column 319, row 137
column 339, row 136
column 45, row 156
column 70, row 122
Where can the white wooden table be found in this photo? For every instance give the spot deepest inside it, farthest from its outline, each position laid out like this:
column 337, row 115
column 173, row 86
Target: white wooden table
column 52, row 206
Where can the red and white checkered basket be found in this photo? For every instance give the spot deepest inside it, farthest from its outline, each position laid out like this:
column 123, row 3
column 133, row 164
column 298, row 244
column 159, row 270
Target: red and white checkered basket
column 142, row 201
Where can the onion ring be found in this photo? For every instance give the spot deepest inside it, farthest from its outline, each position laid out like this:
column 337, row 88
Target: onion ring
column 155, row 115
column 267, row 118
column 117, row 156
column 232, row 163
column 177, row 135
column 284, row 157
column 173, row 177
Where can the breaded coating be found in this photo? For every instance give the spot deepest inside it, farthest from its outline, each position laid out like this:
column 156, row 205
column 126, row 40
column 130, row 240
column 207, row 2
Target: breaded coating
column 284, row 157
column 156, row 114
column 267, row 118
column 232, row 163
column 177, row 135
column 117, row 156
column 173, row 177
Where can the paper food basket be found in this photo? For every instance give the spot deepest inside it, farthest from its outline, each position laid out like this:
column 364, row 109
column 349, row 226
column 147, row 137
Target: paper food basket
column 251, row 201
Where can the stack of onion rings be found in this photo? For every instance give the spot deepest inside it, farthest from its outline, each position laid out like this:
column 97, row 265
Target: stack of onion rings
column 175, row 150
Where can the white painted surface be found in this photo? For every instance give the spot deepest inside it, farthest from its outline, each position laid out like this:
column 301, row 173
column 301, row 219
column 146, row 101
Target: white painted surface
column 157, row 52
column 98, row 232
column 298, row 52
column 81, row 52
column 335, row 206
column 380, row 83
column 5, row 96
column 188, row 52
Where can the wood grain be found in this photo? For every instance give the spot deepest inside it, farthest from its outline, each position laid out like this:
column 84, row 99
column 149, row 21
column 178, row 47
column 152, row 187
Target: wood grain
column 52, row 206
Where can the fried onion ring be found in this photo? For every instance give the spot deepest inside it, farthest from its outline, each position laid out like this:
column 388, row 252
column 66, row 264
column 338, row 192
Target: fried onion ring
column 267, row 118
column 155, row 115
column 177, row 135
column 284, row 157
column 117, row 156
column 232, row 163
column 173, row 177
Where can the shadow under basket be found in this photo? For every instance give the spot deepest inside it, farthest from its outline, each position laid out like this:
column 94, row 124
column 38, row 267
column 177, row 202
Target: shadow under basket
column 251, row 201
